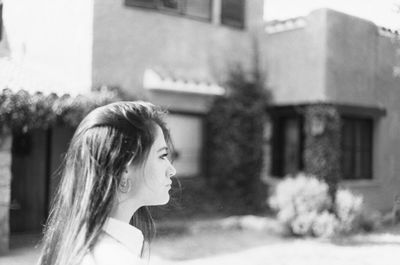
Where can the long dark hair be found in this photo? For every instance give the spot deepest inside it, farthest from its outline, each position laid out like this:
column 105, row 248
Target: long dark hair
column 105, row 142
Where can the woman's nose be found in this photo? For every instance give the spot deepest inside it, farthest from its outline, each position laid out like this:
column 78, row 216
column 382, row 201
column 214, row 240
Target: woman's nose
column 171, row 171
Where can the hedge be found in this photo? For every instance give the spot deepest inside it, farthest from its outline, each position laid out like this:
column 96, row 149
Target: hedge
column 21, row 111
column 235, row 126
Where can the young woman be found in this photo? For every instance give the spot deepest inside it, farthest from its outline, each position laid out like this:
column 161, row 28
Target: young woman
column 116, row 165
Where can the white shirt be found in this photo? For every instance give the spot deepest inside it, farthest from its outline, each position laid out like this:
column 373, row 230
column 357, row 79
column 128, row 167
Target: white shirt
column 119, row 243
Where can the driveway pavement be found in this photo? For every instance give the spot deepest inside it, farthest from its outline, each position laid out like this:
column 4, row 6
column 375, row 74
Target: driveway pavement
column 373, row 249
column 305, row 252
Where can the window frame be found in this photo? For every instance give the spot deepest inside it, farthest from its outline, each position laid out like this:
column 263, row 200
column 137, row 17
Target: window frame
column 208, row 19
column 357, row 152
column 279, row 144
column 373, row 113
column 149, row 4
column 169, row 10
column 180, row 11
column 229, row 21
column 203, row 152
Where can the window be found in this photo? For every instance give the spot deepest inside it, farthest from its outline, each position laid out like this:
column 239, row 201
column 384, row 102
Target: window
column 187, row 136
column 357, row 148
column 141, row 3
column 175, row 6
column 232, row 13
column 199, row 9
column 287, row 142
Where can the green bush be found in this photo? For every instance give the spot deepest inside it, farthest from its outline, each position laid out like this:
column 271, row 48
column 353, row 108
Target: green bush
column 322, row 144
column 21, row 111
column 304, row 206
column 234, row 143
column 348, row 208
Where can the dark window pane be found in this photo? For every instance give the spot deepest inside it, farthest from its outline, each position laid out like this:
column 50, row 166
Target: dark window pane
column 357, row 164
column 347, row 164
column 291, row 146
column 198, row 8
column 232, row 13
column 277, row 149
column 366, row 136
column 141, row 3
column 357, row 148
column 347, row 134
column 366, row 170
column 175, row 6
column 287, row 145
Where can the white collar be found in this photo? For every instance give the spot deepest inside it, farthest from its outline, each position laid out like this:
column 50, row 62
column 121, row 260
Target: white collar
column 126, row 234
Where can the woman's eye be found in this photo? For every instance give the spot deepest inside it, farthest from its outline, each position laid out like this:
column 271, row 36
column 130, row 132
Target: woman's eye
column 164, row 156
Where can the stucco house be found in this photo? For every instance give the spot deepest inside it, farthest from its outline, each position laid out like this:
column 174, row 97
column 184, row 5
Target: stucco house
column 349, row 64
column 175, row 54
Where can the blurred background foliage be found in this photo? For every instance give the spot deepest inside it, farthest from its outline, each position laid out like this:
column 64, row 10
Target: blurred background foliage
column 21, row 111
column 304, row 206
column 323, row 144
column 234, row 155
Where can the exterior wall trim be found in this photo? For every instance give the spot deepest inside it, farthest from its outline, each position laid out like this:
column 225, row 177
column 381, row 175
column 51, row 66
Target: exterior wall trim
column 285, row 25
column 153, row 81
column 344, row 109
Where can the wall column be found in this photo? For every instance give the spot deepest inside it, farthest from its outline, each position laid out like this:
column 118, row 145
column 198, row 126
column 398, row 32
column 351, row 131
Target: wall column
column 5, row 190
column 322, row 149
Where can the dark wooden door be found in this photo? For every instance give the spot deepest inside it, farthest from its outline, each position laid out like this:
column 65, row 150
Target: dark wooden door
column 29, row 169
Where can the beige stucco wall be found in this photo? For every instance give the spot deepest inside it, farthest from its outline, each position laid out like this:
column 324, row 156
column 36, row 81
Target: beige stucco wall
column 360, row 64
column 128, row 40
column 294, row 61
column 351, row 48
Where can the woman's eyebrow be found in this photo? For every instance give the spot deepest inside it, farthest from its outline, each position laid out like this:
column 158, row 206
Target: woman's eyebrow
column 163, row 148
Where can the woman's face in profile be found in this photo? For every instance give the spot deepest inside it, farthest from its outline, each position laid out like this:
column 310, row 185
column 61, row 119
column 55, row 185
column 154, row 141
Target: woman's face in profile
column 151, row 183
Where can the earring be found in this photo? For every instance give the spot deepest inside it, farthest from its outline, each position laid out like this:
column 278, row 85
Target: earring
column 125, row 185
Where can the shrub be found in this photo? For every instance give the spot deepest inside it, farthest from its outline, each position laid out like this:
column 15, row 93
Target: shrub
column 298, row 196
column 21, row 111
column 304, row 206
column 348, row 208
column 325, row 225
column 322, row 143
column 234, row 158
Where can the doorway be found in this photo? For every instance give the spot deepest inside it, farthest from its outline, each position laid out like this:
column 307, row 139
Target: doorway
column 36, row 160
column 29, row 181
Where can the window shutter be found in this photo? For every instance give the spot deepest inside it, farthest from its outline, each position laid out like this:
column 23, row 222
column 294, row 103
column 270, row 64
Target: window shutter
column 141, row 3
column 232, row 13
column 198, row 9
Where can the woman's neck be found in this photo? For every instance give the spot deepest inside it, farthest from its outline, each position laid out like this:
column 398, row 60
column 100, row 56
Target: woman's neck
column 123, row 211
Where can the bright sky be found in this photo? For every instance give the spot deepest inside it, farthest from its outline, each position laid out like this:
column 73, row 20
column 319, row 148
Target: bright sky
column 381, row 12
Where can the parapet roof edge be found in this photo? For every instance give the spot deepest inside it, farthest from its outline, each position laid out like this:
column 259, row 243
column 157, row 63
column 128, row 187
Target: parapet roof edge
column 276, row 26
column 152, row 80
